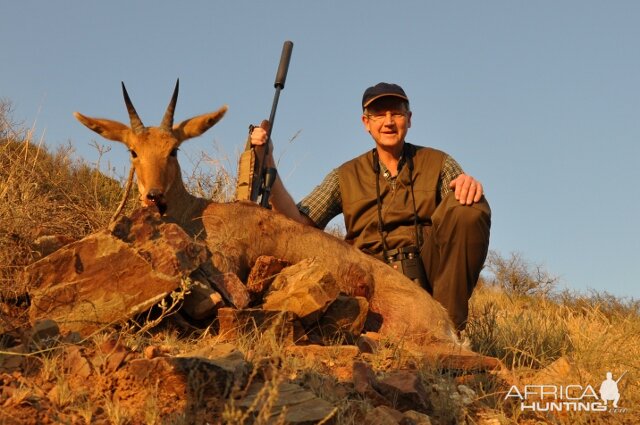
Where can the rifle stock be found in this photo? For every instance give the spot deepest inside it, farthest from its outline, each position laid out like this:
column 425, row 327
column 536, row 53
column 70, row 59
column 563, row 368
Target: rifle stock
column 250, row 167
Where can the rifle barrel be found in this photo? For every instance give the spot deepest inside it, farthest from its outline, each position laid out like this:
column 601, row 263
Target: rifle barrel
column 281, row 77
column 283, row 68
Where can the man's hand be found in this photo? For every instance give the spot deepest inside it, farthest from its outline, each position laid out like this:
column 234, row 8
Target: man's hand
column 258, row 136
column 467, row 189
column 258, row 139
column 280, row 198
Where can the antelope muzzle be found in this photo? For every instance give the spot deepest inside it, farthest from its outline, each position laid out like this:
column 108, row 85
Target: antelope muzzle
column 156, row 197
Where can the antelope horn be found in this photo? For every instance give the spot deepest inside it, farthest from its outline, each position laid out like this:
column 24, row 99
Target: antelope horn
column 167, row 120
column 136, row 123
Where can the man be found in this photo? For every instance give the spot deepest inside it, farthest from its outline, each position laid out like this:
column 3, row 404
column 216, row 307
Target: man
column 402, row 203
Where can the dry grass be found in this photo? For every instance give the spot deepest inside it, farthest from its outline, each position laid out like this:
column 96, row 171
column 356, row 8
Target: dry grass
column 522, row 331
column 43, row 194
column 595, row 333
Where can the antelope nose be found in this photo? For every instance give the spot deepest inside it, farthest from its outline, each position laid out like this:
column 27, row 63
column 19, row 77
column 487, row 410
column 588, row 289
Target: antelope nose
column 157, row 198
column 154, row 195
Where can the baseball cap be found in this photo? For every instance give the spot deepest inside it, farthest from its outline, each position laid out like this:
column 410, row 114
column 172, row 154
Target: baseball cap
column 381, row 90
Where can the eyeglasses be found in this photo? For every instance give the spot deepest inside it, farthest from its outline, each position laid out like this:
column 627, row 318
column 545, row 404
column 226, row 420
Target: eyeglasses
column 379, row 116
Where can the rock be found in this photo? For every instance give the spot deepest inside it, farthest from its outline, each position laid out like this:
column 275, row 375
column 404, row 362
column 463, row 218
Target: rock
column 383, row 415
column 201, row 302
column 363, row 377
column 368, row 342
column 75, row 363
column 267, row 367
column 416, row 418
column 453, row 357
column 215, row 351
column 174, row 383
column 337, row 359
column 107, row 278
column 8, row 339
column 306, row 289
column 47, row 244
column 151, row 352
column 232, row 288
column 284, row 325
column 227, row 357
column 467, row 395
column 489, row 417
column 72, row 338
column 262, row 274
column 405, row 389
column 12, row 359
column 44, row 334
column 344, row 320
column 111, row 354
column 364, row 380
column 302, row 406
column 310, row 412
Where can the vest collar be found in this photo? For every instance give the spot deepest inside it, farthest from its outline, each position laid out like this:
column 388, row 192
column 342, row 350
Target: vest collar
column 407, row 150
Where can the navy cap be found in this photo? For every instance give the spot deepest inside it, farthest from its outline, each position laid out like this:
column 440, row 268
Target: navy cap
column 382, row 90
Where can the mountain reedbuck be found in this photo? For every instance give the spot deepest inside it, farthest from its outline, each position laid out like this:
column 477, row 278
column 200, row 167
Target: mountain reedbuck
column 238, row 233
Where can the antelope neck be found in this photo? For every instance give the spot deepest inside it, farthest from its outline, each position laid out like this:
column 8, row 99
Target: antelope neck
column 184, row 207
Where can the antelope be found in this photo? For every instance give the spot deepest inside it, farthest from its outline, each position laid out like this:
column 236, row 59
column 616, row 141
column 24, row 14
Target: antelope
column 154, row 152
column 237, row 233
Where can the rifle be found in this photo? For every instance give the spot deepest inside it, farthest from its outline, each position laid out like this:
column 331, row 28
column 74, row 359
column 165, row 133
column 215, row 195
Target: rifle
column 254, row 178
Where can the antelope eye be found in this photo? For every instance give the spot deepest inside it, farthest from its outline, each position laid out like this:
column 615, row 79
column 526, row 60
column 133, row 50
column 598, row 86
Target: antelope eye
column 133, row 154
column 174, row 152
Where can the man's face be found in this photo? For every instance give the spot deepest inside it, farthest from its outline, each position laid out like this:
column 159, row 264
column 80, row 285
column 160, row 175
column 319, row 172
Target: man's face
column 387, row 120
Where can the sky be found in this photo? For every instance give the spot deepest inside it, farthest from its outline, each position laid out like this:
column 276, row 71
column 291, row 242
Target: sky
column 540, row 101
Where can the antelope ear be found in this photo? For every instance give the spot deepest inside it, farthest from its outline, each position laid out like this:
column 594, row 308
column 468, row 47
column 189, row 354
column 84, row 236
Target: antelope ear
column 194, row 127
column 109, row 129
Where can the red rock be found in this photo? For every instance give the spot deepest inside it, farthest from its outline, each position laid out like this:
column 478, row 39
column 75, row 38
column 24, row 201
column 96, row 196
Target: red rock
column 232, row 288
column 107, row 278
column 344, row 319
column 306, row 289
column 405, row 389
column 262, row 274
column 284, row 325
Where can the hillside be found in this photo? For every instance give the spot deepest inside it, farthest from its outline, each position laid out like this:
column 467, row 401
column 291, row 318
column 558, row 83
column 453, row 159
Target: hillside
column 161, row 369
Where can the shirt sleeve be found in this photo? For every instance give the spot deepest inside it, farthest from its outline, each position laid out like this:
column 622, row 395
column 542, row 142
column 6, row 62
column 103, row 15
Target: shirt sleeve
column 450, row 170
column 324, row 202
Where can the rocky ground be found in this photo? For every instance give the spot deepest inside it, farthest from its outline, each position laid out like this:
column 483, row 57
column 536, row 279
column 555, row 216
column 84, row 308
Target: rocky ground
column 51, row 377
column 131, row 326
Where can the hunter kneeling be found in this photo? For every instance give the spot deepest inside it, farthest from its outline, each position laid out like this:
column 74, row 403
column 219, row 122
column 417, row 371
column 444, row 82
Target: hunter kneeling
column 410, row 206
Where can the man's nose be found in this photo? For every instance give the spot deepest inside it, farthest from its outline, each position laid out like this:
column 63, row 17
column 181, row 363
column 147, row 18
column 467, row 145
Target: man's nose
column 388, row 118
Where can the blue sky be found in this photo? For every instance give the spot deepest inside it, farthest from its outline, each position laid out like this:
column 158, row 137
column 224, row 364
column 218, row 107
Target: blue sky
column 538, row 100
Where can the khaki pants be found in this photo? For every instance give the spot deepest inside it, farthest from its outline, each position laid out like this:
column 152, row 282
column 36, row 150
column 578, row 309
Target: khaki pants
column 453, row 253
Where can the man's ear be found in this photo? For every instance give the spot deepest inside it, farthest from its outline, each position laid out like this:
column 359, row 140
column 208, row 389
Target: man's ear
column 365, row 122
